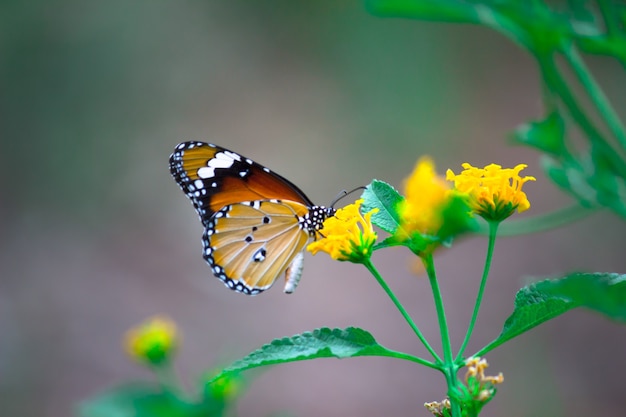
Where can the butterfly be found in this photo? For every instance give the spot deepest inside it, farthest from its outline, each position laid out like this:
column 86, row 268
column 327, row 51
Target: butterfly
column 256, row 222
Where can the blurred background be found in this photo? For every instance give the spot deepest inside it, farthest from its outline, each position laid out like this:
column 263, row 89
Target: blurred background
column 95, row 236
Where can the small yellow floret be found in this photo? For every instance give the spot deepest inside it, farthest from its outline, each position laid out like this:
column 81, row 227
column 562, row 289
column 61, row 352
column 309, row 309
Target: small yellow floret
column 348, row 235
column 494, row 192
column 152, row 341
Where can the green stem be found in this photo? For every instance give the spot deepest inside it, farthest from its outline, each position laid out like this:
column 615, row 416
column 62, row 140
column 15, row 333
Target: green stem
column 370, row 267
column 450, row 368
column 596, row 94
column 493, row 230
column 411, row 358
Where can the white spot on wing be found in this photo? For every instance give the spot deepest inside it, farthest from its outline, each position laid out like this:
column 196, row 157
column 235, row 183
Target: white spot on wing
column 206, row 172
column 228, row 155
column 221, row 161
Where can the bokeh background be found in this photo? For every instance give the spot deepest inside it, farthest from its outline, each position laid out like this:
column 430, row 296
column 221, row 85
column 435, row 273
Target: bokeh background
column 95, row 236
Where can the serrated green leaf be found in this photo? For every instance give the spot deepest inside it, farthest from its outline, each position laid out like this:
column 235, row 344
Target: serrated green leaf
column 144, row 400
column 545, row 300
column 385, row 198
column 547, row 135
column 320, row 343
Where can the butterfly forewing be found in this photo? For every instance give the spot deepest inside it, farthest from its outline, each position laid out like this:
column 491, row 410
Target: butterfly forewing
column 249, row 244
column 213, row 177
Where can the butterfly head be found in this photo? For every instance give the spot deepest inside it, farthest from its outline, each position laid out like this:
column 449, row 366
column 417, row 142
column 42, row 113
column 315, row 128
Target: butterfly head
column 313, row 221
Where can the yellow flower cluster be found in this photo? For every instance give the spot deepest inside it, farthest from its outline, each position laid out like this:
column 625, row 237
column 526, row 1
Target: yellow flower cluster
column 348, row 235
column 425, row 195
column 494, row 192
column 153, row 341
column 431, row 213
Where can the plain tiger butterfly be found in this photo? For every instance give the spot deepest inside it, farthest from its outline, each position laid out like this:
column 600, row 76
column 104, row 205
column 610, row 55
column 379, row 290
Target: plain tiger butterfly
column 256, row 222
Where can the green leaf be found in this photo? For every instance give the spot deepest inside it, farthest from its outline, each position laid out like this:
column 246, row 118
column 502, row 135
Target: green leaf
column 450, row 11
column 320, row 343
column 389, row 242
column 544, row 300
column 547, row 135
column 571, row 176
column 385, row 198
column 606, row 180
column 145, row 400
column 593, row 179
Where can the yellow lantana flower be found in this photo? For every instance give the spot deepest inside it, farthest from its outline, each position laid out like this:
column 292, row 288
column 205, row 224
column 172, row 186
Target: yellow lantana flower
column 431, row 213
column 153, row 341
column 348, row 235
column 426, row 194
column 494, row 192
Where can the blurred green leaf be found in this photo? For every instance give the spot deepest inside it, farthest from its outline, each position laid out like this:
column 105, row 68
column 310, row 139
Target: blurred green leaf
column 442, row 10
column 145, row 400
column 320, row 343
column 457, row 219
column 547, row 135
column 545, row 300
column 570, row 176
column 609, row 185
column 581, row 10
column 385, row 198
column 591, row 178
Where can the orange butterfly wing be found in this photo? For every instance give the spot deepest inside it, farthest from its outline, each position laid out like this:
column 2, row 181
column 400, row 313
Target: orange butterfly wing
column 256, row 222
column 252, row 243
column 213, row 177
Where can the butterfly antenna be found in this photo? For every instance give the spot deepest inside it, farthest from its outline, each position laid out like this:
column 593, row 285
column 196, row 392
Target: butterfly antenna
column 343, row 194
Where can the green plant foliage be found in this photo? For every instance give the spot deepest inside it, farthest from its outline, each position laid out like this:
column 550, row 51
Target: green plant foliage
column 382, row 196
column 547, row 135
column 596, row 174
column 545, row 300
column 320, row 343
column 146, row 400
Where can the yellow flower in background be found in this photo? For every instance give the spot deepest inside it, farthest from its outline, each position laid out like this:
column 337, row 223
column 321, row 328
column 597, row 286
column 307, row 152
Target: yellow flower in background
column 153, row 341
column 494, row 192
column 348, row 235
column 425, row 195
column 225, row 388
column 431, row 213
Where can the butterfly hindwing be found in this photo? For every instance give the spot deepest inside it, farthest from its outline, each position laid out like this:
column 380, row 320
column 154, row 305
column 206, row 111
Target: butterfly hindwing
column 249, row 244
